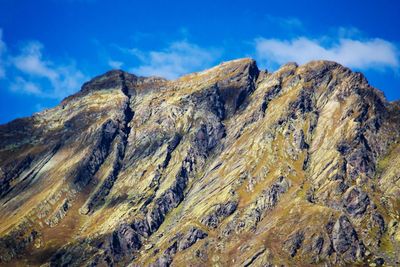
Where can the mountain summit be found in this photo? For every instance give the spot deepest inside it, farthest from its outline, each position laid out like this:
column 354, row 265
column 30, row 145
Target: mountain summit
column 231, row 166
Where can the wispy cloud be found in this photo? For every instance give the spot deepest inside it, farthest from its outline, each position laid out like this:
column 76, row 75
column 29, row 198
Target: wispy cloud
column 178, row 58
column 37, row 75
column 285, row 22
column 351, row 52
column 115, row 64
column 349, row 32
column 30, row 61
column 2, row 52
column 20, row 84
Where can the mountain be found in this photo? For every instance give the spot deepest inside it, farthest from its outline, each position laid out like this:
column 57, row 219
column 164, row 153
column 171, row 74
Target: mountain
column 232, row 166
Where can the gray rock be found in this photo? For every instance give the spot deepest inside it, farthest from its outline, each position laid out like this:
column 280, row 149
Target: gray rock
column 378, row 220
column 267, row 200
column 190, row 238
column 293, row 244
column 317, row 245
column 355, row 201
column 124, row 241
column 251, row 260
column 220, row 212
column 345, row 240
column 59, row 214
column 100, row 151
column 299, row 140
column 179, row 243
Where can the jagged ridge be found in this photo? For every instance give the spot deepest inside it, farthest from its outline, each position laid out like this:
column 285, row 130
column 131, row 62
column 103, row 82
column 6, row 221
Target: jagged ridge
column 231, row 165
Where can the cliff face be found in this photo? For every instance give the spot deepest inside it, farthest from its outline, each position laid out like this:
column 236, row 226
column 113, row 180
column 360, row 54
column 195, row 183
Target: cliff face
column 231, row 166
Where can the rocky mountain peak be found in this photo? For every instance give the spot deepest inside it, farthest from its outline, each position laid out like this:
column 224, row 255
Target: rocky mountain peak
column 227, row 166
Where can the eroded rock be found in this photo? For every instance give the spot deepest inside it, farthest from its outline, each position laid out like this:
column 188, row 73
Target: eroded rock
column 345, row 240
column 355, row 201
column 221, row 211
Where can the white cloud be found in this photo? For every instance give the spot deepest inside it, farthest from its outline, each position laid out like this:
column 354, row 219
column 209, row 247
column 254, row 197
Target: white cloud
column 285, row 22
column 359, row 54
column 20, row 84
column 2, row 52
column 115, row 64
column 41, row 77
column 177, row 59
column 30, row 61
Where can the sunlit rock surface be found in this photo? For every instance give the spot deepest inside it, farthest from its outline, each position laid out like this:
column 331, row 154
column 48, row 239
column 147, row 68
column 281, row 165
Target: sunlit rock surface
column 232, row 166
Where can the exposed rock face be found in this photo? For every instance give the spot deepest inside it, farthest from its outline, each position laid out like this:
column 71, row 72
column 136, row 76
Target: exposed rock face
column 179, row 243
column 229, row 166
column 355, row 201
column 221, row 211
column 294, row 243
column 345, row 240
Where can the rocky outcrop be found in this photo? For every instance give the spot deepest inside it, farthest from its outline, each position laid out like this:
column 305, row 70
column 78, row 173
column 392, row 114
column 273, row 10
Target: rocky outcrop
column 345, row 240
column 294, row 243
column 251, row 260
column 11, row 172
column 220, row 212
column 265, row 202
column 99, row 153
column 355, row 201
column 124, row 241
column 179, row 243
column 17, row 241
column 59, row 213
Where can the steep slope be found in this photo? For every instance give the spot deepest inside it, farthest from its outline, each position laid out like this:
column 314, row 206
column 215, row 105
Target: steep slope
column 229, row 166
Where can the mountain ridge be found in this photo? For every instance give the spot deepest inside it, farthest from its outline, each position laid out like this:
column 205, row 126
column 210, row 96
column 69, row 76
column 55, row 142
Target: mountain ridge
column 228, row 166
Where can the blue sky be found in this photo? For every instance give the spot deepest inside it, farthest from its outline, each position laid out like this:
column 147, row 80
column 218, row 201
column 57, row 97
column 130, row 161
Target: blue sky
column 49, row 48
